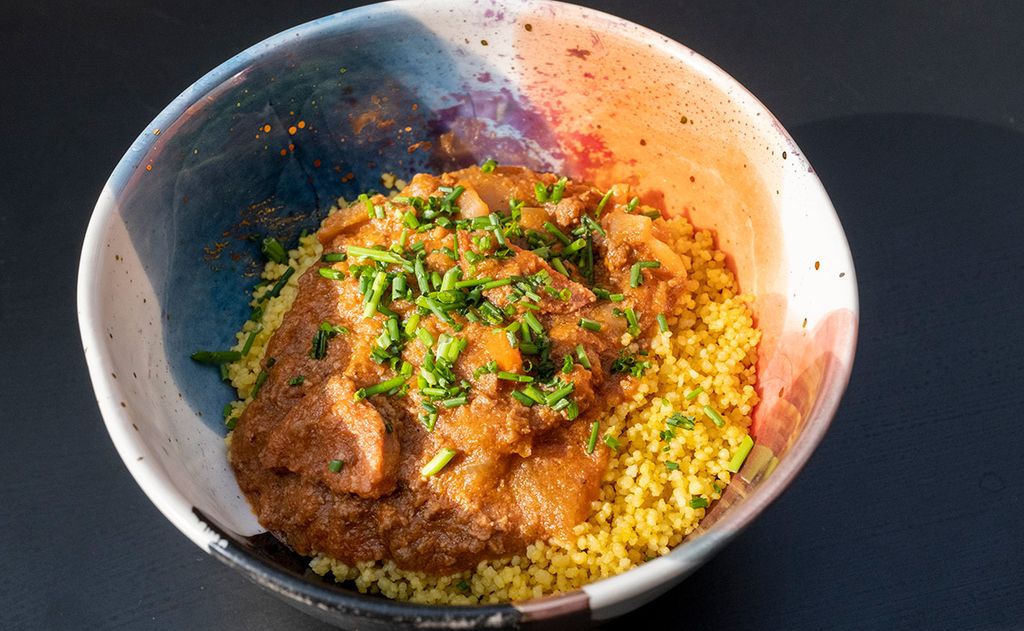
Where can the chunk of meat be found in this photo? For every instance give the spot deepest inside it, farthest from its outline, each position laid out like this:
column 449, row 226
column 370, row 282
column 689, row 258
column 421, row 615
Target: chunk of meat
column 343, row 220
column 329, row 425
column 637, row 233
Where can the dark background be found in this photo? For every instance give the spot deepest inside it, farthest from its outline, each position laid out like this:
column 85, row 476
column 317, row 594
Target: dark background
column 909, row 515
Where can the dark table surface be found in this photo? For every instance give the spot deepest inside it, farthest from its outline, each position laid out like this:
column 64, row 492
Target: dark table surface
column 910, row 515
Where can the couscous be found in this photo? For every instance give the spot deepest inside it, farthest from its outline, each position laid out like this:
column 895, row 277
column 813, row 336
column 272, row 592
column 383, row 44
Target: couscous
column 666, row 420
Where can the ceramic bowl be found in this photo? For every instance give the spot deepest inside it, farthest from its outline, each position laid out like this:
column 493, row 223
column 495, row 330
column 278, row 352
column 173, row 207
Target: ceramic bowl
column 267, row 140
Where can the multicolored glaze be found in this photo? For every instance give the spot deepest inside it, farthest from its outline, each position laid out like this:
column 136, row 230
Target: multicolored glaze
column 269, row 139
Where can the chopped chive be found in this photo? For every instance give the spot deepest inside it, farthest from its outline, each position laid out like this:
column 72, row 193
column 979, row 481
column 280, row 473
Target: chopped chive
column 699, row 502
column 449, row 278
column 454, row 402
column 635, row 272
column 522, row 398
column 633, row 203
column 714, row 416
column 249, row 340
column 559, row 394
column 501, row 282
column 540, row 192
column 662, row 323
column 575, row 246
column 680, row 420
column 279, row 285
column 567, row 364
column 297, row 380
column 273, row 250
column 392, row 329
column 496, row 229
column 425, row 337
column 592, row 226
column 511, row 376
column 260, row 380
column 671, row 466
column 601, row 205
column 590, row 325
column 553, row 229
column 368, row 204
column 488, row 166
column 611, row 441
column 692, row 394
column 532, row 321
column 438, row 462
column 454, row 194
column 334, row 257
column 572, row 411
column 473, row 282
column 558, row 265
column 331, row 274
column 741, row 454
column 332, row 329
column 653, row 214
column 421, row 276
column 616, row 297
column 594, row 429
column 561, row 405
column 411, row 324
column 382, row 256
column 581, row 355
column 381, row 387
column 216, row 357
column 335, row 466
column 634, row 327
column 410, row 221
column 319, row 347
column 534, row 393
column 558, row 190
column 376, row 291
column 398, row 287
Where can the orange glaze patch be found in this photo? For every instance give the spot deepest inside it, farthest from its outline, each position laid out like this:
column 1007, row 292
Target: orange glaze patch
column 792, row 374
column 600, row 126
column 699, row 156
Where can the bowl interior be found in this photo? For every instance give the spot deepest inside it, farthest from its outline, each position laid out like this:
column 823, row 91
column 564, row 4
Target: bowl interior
column 266, row 142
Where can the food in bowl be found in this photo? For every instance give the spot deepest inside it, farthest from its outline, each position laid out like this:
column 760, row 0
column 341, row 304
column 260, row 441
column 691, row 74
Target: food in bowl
column 494, row 385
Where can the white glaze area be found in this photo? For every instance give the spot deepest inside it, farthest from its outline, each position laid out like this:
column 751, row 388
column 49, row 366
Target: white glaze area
column 177, row 459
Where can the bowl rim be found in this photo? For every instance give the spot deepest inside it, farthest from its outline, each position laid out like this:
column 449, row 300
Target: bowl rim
column 602, row 596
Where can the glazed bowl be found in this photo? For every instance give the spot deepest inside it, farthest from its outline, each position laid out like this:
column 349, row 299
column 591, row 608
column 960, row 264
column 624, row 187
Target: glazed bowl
column 269, row 139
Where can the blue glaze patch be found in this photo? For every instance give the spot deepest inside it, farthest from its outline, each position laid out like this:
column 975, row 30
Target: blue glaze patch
column 220, row 181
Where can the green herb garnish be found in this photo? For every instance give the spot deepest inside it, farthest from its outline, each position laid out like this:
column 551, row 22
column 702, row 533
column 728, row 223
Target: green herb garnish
column 273, row 250
column 714, row 416
column 741, row 454
column 438, row 462
column 216, row 357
